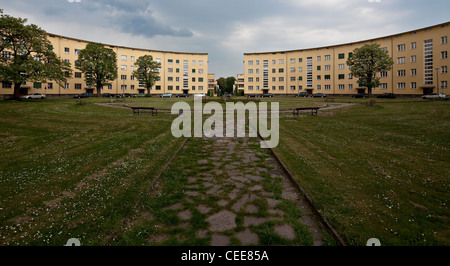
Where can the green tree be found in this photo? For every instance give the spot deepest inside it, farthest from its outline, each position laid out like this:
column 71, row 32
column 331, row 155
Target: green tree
column 226, row 84
column 27, row 55
column 366, row 62
column 230, row 85
column 147, row 71
column 99, row 65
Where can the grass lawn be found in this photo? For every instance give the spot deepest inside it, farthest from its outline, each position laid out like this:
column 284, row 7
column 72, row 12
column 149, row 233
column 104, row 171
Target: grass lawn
column 82, row 171
column 75, row 171
column 376, row 171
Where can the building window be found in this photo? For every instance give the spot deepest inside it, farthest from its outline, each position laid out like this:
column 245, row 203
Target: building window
column 158, row 88
column 401, row 85
column 319, row 77
column 250, row 88
column 319, row 58
column 444, row 84
column 413, row 59
column 66, row 50
column 132, row 58
column 193, row 62
column 132, row 87
column 384, row 74
column 383, row 86
column 124, row 68
column 444, row 40
column 401, row 47
column 341, row 76
column 413, row 85
column 50, row 86
column 341, row 66
column 292, row 69
column 413, row 72
column 250, row 63
column 444, row 70
column 341, row 87
column 200, row 79
column 292, row 78
column 123, row 87
column 170, row 70
column 281, row 61
column 250, row 79
column 327, row 57
column 413, row 45
column 300, row 69
column 350, row 86
column 6, row 85
column 401, row 60
column 292, row 88
column 281, row 88
column 123, row 77
column 170, row 79
column 170, row 61
column 124, row 58
column 77, row 51
column 67, row 86
column 78, row 86
column 281, row 70
column 250, row 71
column 341, row 56
column 327, row 87
column 444, row 55
column 37, row 85
column 292, row 60
column 281, row 79
column 327, row 77
column 319, row 68
column 257, row 62
column 401, row 73
column 327, row 67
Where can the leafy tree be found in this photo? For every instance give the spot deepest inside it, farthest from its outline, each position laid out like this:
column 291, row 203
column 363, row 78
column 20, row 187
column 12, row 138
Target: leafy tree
column 368, row 61
column 230, row 84
column 226, row 84
column 99, row 65
column 27, row 55
column 147, row 71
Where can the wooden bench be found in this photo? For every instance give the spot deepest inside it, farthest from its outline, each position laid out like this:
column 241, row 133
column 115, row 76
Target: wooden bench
column 314, row 110
column 80, row 102
column 139, row 110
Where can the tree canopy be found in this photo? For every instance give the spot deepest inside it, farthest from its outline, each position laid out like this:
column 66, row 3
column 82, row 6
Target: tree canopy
column 366, row 62
column 27, row 54
column 99, row 65
column 226, row 84
column 147, row 71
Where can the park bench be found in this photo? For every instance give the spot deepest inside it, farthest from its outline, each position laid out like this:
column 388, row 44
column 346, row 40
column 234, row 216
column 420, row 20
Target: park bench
column 139, row 110
column 80, row 102
column 313, row 110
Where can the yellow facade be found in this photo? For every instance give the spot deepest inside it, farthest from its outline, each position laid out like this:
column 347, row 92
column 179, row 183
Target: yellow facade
column 180, row 72
column 416, row 55
column 212, row 83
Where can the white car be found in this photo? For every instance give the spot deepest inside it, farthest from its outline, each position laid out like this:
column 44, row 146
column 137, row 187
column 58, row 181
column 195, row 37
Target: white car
column 433, row 96
column 34, row 96
column 199, row 95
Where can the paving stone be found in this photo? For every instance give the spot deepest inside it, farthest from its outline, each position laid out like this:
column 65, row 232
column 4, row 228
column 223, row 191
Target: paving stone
column 247, row 237
column 208, row 184
column 192, row 179
column 201, row 233
column 251, row 208
column 285, row 231
column 219, row 240
column 202, row 161
column 256, row 188
column 213, row 190
column 233, row 194
column 276, row 212
column 193, row 193
column 254, row 178
column 272, row 202
column 176, row 206
column 203, row 209
column 253, row 220
column 222, row 221
column 222, row 202
column 240, row 203
column 157, row 238
column 185, row 215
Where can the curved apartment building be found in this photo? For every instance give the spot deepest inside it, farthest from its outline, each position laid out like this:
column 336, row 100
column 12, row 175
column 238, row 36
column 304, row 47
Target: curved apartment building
column 420, row 67
column 180, row 72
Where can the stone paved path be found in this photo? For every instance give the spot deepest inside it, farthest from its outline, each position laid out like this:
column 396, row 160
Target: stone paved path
column 236, row 195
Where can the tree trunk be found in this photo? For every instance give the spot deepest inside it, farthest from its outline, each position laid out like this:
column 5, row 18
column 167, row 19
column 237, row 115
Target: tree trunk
column 148, row 90
column 17, row 90
column 99, row 89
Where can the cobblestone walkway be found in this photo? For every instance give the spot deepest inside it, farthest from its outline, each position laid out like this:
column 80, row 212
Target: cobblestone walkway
column 232, row 193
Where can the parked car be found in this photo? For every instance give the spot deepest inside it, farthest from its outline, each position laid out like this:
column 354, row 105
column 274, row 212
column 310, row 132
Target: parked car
column 319, row 95
column 433, row 96
column 166, row 95
column 107, row 95
column 302, row 94
column 34, row 96
column 84, row 95
column 387, row 96
column 139, row 95
column 182, row 95
column 128, row 95
column 252, row 95
column 267, row 95
column 360, row 95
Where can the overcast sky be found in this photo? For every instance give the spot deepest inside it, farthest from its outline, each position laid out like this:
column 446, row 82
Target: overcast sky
column 226, row 29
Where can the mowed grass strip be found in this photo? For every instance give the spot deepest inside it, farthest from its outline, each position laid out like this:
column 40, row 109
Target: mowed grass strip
column 376, row 172
column 75, row 171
